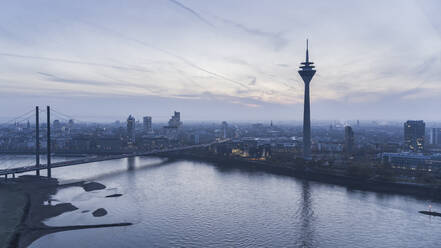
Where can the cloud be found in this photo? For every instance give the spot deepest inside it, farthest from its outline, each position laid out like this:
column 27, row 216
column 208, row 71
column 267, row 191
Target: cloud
column 253, row 81
column 99, row 87
column 153, row 49
column 169, row 53
column 244, row 101
column 20, row 56
column 53, row 78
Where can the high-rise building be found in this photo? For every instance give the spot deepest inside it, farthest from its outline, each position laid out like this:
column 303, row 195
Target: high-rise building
column 307, row 72
column 71, row 123
column 435, row 136
column 349, row 140
column 414, row 132
column 131, row 129
column 175, row 120
column 147, row 124
column 224, row 129
column 56, row 125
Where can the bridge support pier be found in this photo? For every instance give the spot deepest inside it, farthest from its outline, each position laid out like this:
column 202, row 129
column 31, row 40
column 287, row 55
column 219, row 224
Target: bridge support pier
column 6, row 177
column 13, row 175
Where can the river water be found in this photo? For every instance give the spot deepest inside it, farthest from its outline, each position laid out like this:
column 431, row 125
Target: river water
column 197, row 204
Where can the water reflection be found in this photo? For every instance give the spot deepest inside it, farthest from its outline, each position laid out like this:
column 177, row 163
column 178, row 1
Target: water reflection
column 306, row 215
column 130, row 163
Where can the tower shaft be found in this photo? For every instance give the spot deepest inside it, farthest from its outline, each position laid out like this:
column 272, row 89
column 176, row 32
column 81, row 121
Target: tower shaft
column 307, row 73
column 306, row 123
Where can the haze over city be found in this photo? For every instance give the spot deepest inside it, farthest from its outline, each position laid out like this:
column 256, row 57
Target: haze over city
column 195, row 123
column 221, row 60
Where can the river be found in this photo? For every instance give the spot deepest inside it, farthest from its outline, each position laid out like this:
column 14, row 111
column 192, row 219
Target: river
column 196, row 204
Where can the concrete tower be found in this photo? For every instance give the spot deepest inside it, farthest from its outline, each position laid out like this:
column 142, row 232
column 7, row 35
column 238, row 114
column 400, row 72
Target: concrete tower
column 307, row 72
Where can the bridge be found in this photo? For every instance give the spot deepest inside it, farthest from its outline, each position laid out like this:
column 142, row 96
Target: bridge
column 93, row 159
column 37, row 166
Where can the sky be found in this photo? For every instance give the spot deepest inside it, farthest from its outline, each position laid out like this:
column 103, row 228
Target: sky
column 221, row 60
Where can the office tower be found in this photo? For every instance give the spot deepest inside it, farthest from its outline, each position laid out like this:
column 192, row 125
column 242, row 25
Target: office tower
column 147, row 124
column 349, row 140
column 435, row 136
column 224, row 129
column 414, row 132
column 196, row 139
column 307, row 72
column 131, row 129
column 57, row 125
column 71, row 123
column 175, row 120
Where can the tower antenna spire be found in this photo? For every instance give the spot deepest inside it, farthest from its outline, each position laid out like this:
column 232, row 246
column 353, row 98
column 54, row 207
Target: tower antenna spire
column 307, row 51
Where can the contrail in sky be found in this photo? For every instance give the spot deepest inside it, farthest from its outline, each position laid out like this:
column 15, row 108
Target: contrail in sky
column 70, row 61
column 186, row 61
column 193, row 12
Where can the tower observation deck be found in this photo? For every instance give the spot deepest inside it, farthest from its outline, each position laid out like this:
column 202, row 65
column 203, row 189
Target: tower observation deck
column 307, row 72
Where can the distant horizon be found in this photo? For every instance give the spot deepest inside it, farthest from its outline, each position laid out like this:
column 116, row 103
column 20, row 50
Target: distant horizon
column 163, row 121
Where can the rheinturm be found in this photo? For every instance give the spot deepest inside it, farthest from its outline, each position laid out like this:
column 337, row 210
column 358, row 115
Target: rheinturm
column 307, row 72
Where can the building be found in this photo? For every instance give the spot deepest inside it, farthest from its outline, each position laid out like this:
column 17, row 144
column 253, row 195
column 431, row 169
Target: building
column 131, row 129
column 56, row 125
column 107, row 144
column 412, row 161
column 196, row 139
column 175, row 120
column 435, row 136
column 414, row 132
column 224, row 129
column 349, row 140
column 307, row 72
column 71, row 123
column 147, row 124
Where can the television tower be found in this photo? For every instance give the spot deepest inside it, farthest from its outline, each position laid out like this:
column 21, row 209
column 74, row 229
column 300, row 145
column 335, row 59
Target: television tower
column 307, row 72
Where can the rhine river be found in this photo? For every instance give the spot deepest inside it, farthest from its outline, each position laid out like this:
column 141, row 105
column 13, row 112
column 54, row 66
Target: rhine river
column 197, row 204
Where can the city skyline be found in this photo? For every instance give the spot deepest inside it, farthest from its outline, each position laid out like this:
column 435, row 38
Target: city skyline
column 211, row 63
column 194, row 123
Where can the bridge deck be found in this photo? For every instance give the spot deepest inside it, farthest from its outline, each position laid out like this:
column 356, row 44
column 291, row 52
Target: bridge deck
column 18, row 170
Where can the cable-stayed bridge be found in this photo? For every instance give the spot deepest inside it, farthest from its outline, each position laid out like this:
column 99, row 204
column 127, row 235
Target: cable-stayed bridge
column 48, row 166
column 93, row 159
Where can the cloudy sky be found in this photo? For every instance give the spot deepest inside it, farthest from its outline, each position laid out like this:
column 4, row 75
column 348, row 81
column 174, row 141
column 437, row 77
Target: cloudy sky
column 221, row 60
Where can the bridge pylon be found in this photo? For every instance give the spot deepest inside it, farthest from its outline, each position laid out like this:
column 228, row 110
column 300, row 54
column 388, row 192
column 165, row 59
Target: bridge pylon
column 48, row 110
column 37, row 140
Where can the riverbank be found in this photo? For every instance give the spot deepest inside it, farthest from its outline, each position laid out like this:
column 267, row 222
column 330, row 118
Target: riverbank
column 27, row 202
column 12, row 208
column 426, row 191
